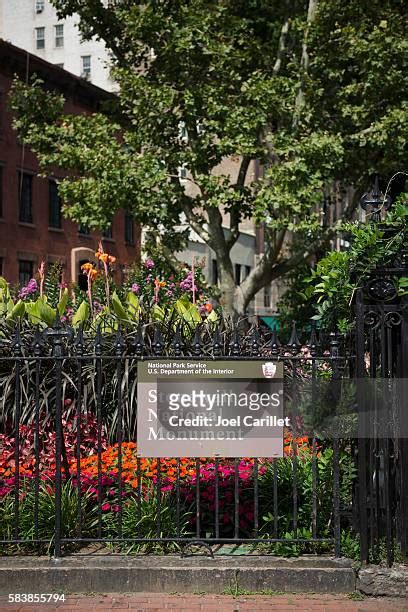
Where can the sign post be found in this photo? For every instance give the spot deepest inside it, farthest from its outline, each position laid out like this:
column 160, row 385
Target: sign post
column 208, row 408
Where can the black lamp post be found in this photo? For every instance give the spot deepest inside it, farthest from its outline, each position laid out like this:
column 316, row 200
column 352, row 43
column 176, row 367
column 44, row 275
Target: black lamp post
column 374, row 201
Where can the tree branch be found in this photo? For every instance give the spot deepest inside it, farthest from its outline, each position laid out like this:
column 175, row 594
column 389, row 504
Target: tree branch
column 281, row 47
column 243, row 169
column 304, row 62
column 234, row 228
column 196, row 223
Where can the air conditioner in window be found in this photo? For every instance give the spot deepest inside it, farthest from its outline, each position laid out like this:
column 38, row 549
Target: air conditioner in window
column 85, row 75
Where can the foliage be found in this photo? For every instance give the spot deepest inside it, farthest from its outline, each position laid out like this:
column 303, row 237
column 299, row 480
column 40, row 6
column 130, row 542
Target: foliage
column 43, row 508
column 179, row 297
column 142, row 480
column 337, row 276
column 315, row 91
column 46, row 442
column 295, row 303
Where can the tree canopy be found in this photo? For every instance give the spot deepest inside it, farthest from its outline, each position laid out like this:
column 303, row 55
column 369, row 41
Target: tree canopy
column 315, row 91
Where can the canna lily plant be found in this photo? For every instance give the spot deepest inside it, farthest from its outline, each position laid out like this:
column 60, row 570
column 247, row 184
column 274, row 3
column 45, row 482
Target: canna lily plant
column 148, row 296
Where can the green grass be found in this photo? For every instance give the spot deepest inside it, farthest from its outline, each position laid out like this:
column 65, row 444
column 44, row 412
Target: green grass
column 356, row 596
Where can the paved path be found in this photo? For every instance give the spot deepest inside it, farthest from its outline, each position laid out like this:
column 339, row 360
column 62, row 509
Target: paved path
column 214, row 603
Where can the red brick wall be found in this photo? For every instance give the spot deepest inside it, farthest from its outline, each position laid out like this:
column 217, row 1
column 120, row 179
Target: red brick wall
column 37, row 241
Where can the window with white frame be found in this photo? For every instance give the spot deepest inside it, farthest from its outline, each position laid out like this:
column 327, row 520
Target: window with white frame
column 267, row 297
column 182, row 173
column 59, row 35
column 40, row 38
column 39, row 6
column 86, row 66
column 182, row 132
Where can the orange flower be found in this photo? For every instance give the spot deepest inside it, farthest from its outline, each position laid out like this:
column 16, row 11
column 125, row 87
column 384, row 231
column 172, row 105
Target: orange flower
column 104, row 257
column 208, row 307
column 159, row 283
column 90, row 271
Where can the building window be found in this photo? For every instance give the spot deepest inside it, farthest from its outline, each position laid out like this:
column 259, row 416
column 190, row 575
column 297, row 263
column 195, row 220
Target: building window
column 1, row 192
column 182, row 173
column 247, row 271
column 237, row 274
column 40, row 38
column 83, row 229
column 182, row 132
column 39, row 6
column 59, row 35
column 25, row 271
column 129, row 229
column 25, row 182
column 107, row 233
column 214, row 272
column 2, row 112
column 54, row 205
column 267, row 297
column 82, row 279
column 86, row 66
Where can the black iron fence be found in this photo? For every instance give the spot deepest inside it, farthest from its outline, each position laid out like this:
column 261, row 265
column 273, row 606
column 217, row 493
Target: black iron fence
column 71, row 477
column 381, row 342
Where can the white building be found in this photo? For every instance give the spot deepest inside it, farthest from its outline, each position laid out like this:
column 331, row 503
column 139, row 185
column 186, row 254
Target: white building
column 33, row 25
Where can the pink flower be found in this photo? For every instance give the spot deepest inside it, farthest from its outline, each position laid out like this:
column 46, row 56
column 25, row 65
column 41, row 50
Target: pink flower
column 105, row 507
column 148, row 263
column 29, row 289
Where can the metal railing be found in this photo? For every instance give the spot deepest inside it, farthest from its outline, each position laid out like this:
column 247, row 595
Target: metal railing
column 52, row 380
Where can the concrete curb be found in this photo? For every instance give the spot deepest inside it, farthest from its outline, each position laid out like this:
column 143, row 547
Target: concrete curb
column 169, row 574
column 378, row 580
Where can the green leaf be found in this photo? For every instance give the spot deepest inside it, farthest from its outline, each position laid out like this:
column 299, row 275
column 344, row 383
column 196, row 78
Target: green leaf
column 192, row 316
column 118, row 307
column 17, row 311
column 62, row 304
column 158, row 313
column 81, row 315
column 183, row 304
column 45, row 312
column 4, row 286
column 105, row 321
column 133, row 305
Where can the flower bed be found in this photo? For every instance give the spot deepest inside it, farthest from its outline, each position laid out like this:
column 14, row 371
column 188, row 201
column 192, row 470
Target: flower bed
column 134, row 489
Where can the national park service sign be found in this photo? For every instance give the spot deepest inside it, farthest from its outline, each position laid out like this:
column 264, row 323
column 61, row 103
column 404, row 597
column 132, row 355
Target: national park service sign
column 210, row 408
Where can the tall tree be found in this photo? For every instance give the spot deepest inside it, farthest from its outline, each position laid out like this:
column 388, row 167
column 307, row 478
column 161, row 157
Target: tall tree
column 315, row 91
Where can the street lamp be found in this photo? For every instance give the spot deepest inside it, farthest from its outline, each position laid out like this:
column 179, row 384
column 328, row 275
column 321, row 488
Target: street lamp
column 374, row 201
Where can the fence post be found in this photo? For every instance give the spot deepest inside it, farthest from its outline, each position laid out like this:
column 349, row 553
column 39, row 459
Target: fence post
column 55, row 335
column 17, row 352
column 362, row 459
column 402, row 462
column 334, row 355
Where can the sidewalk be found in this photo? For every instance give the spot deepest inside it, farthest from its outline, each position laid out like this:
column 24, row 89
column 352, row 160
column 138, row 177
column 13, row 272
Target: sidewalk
column 214, row 603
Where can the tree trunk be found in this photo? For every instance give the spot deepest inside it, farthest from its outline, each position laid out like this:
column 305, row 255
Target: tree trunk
column 227, row 285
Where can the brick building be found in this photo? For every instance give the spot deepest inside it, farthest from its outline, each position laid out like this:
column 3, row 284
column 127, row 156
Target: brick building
column 31, row 225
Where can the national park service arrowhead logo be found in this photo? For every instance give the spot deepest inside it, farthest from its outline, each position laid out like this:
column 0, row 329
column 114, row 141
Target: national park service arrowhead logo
column 268, row 369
